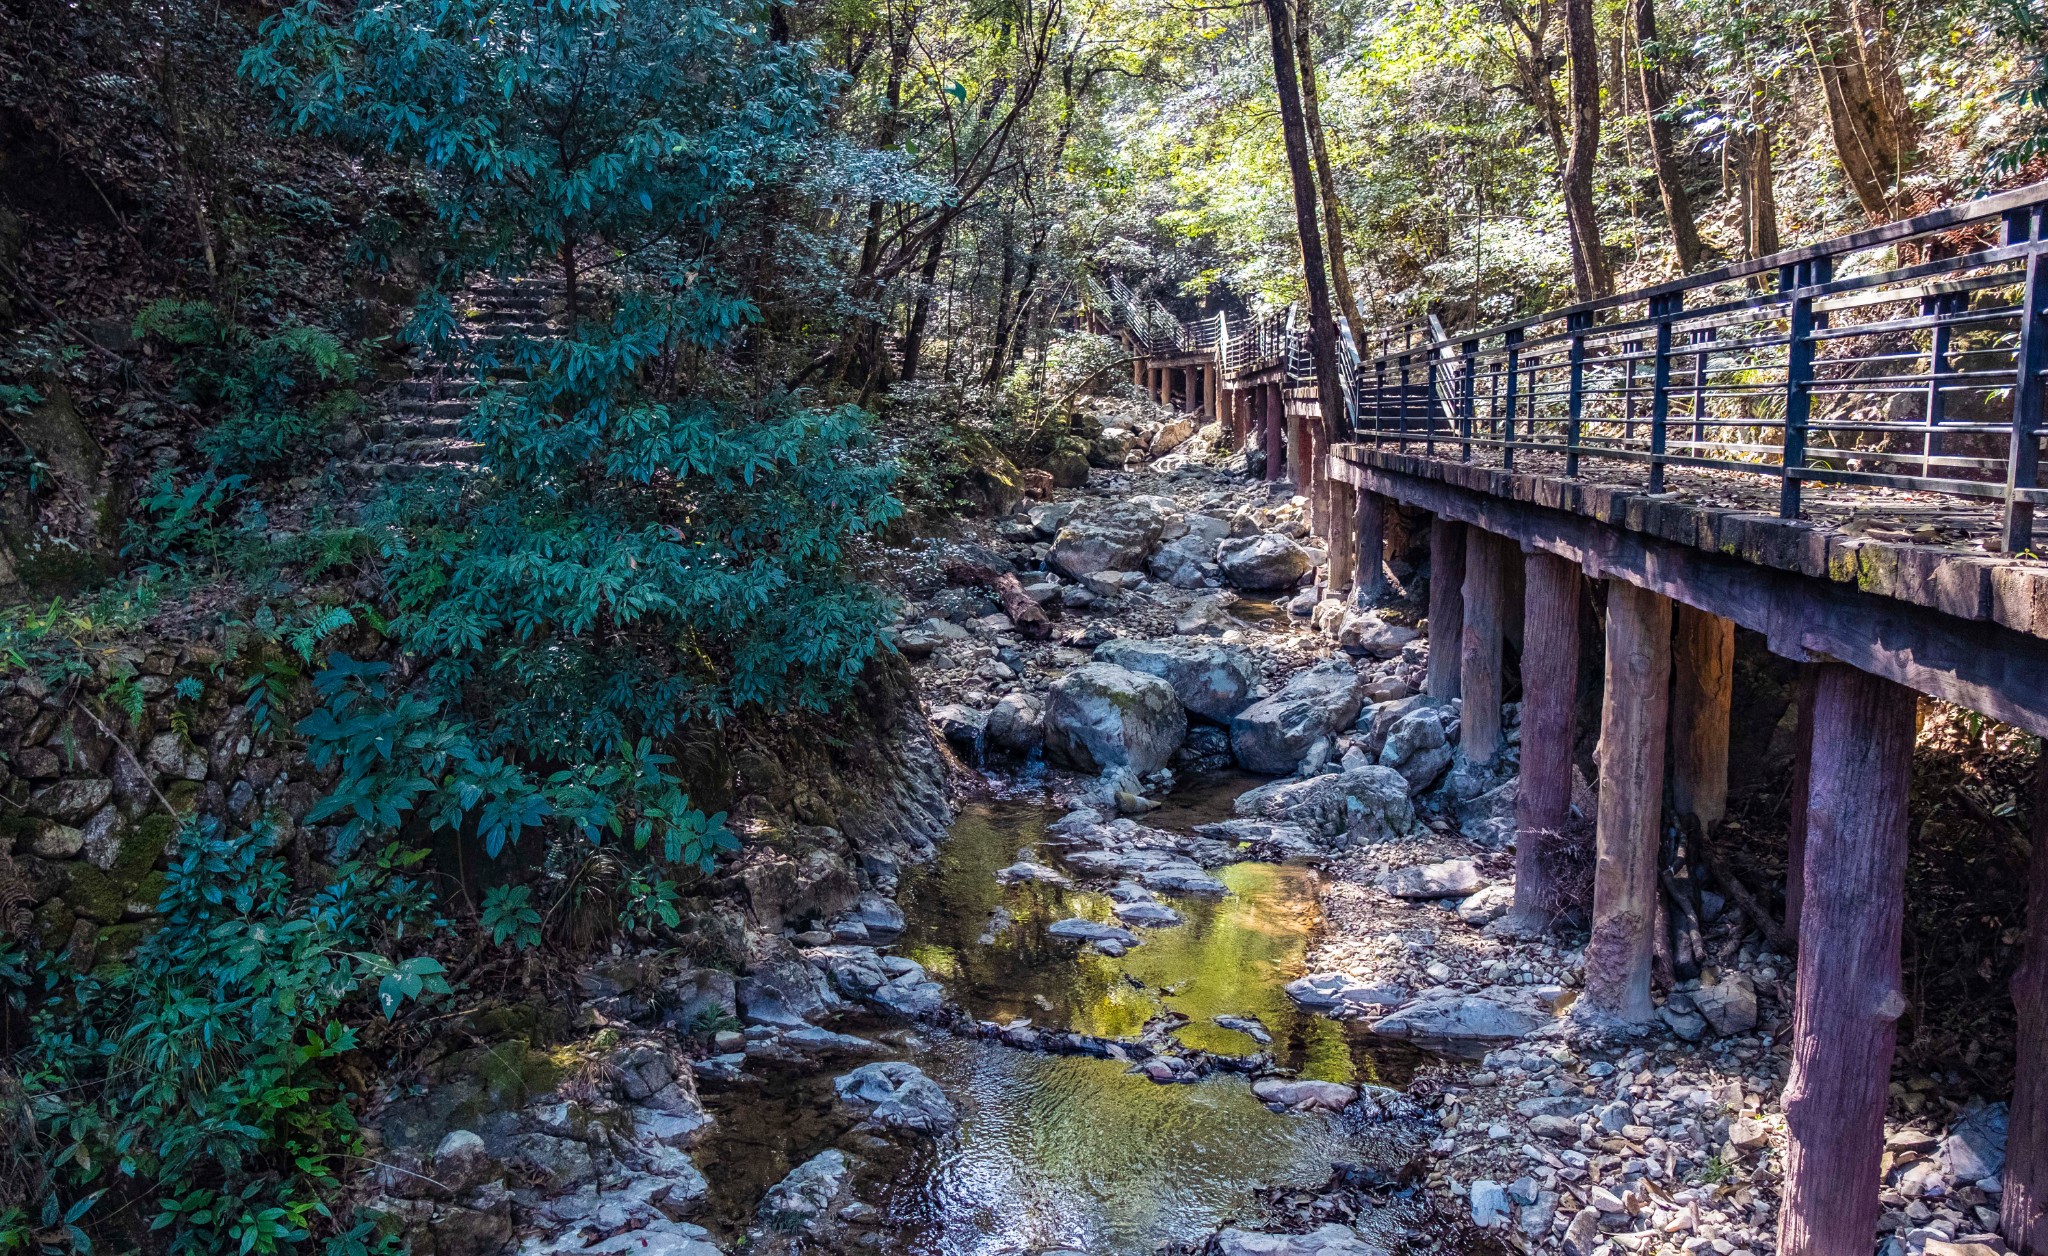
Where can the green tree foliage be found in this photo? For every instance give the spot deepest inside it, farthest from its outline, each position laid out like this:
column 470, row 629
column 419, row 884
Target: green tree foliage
column 656, row 538
column 191, row 1095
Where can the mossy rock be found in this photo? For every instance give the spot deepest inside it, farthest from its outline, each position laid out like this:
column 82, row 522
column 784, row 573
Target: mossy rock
column 513, row 1073
column 53, row 923
column 142, row 849
column 95, row 895
column 989, row 483
column 183, row 797
column 117, row 943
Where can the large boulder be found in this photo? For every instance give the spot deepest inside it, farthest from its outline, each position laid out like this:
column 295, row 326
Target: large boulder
column 1266, row 561
column 1366, row 804
column 1104, row 716
column 1452, row 878
column 1186, row 562
column 1212, row 681
column 1114, row 537
column 1272, row 734
column 1365, row 633
column 1418, row 748
column 1017, row 724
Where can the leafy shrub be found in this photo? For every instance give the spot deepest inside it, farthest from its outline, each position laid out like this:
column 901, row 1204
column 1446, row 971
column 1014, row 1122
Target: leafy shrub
column 197, row 1085
column 275, row 392
column 510, row 917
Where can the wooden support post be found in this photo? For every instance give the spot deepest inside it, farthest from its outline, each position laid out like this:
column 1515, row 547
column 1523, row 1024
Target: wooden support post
column 1369, row 582
column 1343, row 516
column 1634, row 705
column 1845, row 1014
column 2023, row 1209
column 1550, row 703
column 1211, row 377
column 1295, row 445
column 1802, row 775
column 1702, row 687
column 1446, row 605
column 1137, row 372
column 1275, row 451
column 1486, row 558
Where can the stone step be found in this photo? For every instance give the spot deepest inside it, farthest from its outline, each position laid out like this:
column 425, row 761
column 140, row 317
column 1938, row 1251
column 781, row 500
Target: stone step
column 425, row 450
column 406, row 428
column 420, row 407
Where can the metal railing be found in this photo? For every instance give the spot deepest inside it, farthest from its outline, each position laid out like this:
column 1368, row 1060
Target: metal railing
column 1906, row 357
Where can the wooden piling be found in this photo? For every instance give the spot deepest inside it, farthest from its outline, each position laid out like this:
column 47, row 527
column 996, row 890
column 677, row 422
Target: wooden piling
column 1343, row 515
column 1369, row 514
column 1848, row 1000
column 1702, row 688
column 1486, row 556
column 2023, row 1208
column 1634, row 706
column 1796, row 801
column 1275, row 452
column 1550, row 702
column 1446, row 606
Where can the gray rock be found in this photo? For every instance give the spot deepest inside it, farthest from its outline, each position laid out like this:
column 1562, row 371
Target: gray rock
column 55, row 841
column 1048, row 517
column 1081, row 930
column 1336, row 991
column 1417, row 748
column 1146, row 914
column 102, row 838
column 804, row 1198
column 1267, row 561
column 1304, row 1095
column 1186, row 563
column 1488, row 905
column 898, row 1096
column 1452, row 878
column 1182, row 879
column 73, row 801
column 1687, row 1025
column 1212, row 681
column 1729, row 1005
column 1362, row 805
column 1251, row 1027
column 1024, row 870
column 881, row 915
column 1583, row 1235
column 1017, row 724
column 1116, row 537
column 1328, row 1240
column 784, row 994
column 661, row 1239
column 1103, row 716
column 1488, row 820
column 1489, row 1204
column 1539, row 1214
column 1272, row 734
column 1493, row 1014
column 962, row 726
column 1365, row 633
column 1975, row 1149
column 462, row 1162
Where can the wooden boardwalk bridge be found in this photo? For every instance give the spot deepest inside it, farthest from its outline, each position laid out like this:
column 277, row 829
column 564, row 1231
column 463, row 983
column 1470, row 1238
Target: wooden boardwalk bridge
column 1837, row 447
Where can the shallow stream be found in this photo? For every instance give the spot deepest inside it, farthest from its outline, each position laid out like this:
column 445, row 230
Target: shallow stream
column 1060, row 1151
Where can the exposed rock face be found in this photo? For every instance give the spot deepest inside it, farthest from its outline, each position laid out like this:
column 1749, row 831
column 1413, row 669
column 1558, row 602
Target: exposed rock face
column 1366, row 804
column 804, row 1199
column 1266, row 561
column 1211, row 680
column 1272, row 734
column 1103, row 716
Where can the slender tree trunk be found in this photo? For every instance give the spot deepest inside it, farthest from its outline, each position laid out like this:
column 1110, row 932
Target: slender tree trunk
column 1322, row 326
column 1763, row 196
column 1007, row 244
column 1326, row 181
column 1590, row 274
column 1656, row 89
column 913, row 338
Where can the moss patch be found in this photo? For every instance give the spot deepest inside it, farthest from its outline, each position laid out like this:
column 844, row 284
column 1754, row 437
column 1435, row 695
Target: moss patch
column 94, row 894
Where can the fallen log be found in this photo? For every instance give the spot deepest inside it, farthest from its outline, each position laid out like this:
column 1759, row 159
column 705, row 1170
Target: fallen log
column 1028, row 615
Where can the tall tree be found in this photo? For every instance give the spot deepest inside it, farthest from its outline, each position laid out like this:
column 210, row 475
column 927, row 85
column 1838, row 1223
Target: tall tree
column 1294, row 130
column 1333, row 209
column 1656, row 90
column 1875, row 135
column 1591, row 276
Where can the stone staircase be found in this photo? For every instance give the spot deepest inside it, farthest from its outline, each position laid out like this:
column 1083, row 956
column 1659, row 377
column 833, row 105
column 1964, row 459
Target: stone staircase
column 420, row 431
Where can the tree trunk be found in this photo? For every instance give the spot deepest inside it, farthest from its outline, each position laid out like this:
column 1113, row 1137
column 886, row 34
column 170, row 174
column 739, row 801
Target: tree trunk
column 2023, row 1210
column 1486, row 557
column 1590, row 274
column 1322, row 325
column 1868, row 114
column 1007, row 244
column 1635, row 703
column 1656, row 89
column 913, row 338
column 1702, row 690
column 1550, row 701
column 1333, row 215
column 1848, row 1000
column 1759, row 195
column 1446, row 606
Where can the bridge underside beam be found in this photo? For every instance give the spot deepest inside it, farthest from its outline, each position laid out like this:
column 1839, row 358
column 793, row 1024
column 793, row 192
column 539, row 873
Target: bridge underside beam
column 1976, row 664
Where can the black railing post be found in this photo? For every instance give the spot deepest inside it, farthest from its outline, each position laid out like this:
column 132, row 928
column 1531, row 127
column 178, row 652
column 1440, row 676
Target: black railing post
column 1663, row 309
column 1468, row 390
column 1401, row 442
column 1798, row 390
column 1940, row 309
column 1429, row 406
column 2023, row 461
column 1701, row 338
column 1575, row 398
column 1514, row 348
